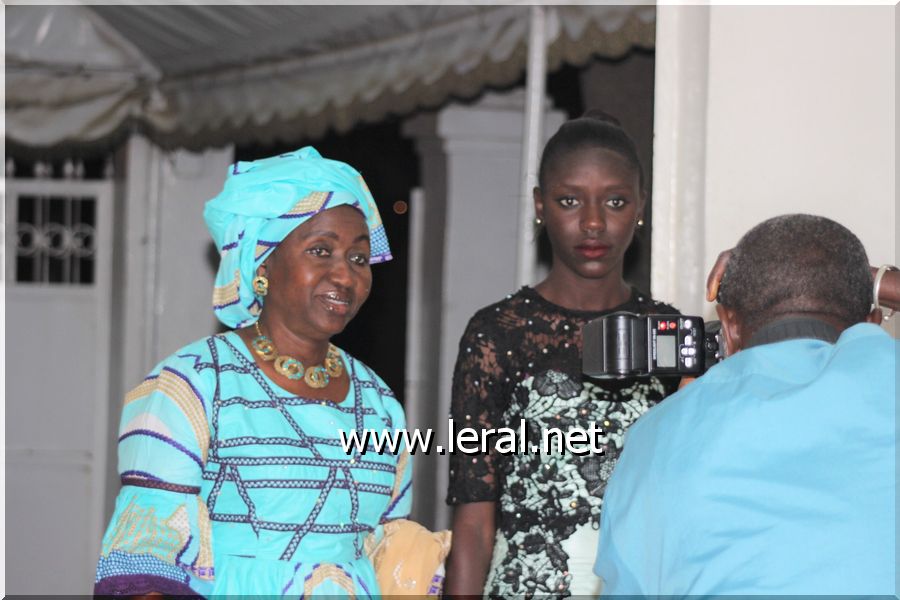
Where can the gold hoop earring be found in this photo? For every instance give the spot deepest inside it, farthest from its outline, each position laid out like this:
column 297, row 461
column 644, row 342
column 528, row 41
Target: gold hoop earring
column 261, row 285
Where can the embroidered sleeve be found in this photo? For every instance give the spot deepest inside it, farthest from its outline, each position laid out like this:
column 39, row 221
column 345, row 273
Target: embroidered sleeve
column 476, row 401
column 159, row 539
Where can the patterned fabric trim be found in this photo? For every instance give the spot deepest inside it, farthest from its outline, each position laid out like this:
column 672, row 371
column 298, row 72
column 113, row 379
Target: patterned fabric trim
column 142, row 531
column 233, row 244
column 143, row 475
column 291, row 582
column 398, row 479
column 241, row 461
column 120, row 563
column 305, row 484
column 309, row 204
column 303, row 528
column 263, row 246
column 399, row 490
column 394, row 503
column 135, row 585
column 175, row 386
column 249, row 440
column 203, row 568
column 290, row 401
column 324, row 572
column 227, row 294
column 159, row 485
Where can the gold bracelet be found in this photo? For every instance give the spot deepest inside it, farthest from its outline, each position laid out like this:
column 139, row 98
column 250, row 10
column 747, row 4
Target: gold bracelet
column 879, row 275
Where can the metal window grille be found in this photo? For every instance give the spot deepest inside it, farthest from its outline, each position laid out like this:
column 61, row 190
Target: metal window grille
column 55, row 239
column 54, row 207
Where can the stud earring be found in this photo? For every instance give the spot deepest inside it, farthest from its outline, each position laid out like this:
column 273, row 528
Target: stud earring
column 261, row 285
column 538, row 221
column 640, row 222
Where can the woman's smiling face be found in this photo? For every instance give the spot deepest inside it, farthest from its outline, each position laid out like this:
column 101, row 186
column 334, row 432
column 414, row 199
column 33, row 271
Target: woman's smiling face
column 319, row 275
column 590, row 205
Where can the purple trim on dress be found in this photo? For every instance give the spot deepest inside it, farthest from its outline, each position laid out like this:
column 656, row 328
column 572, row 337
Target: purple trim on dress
column 183, row 550
column 394, row 503
column 374, row 260
column 141, row 474
column 197, row 358
column 253, row 461
column 291, row 582
column 188, row 381
column 165, row 439
column 218, row 306
column 362, row 584
column 437, row 586
column 309, row 484
column 156, row 484
column 134, row 585
column 205, row 572
column 231, row 245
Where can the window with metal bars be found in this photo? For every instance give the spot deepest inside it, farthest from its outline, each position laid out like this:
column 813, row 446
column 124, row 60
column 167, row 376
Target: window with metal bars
column 55, row 238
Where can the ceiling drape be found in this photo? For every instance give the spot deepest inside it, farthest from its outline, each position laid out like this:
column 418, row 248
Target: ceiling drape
column 196, row 76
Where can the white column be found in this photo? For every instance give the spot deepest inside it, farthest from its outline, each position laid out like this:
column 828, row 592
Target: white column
column 677, row 272
column 535, row 85
column 471, row 165
column 804, row 123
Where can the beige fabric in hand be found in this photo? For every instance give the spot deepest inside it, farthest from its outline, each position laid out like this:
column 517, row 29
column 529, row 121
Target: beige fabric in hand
column 409, row 559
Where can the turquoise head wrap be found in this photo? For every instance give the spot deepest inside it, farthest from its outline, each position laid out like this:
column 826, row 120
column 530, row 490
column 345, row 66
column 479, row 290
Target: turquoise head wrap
column 261, row 203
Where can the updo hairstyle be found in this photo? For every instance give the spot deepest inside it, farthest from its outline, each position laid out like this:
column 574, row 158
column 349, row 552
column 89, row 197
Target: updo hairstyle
column 595, row 129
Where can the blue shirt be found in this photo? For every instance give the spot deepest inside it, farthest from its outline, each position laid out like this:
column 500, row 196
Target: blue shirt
column 774, row 473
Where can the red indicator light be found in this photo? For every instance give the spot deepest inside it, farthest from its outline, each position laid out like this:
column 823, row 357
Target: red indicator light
column 672, row 325
column 663, row 326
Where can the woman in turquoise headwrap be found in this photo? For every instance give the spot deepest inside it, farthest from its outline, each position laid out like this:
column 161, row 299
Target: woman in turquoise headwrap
column 234, row 477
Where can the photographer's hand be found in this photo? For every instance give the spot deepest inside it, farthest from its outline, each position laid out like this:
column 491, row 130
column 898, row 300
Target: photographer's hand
column 889, row 290
column 715, row 275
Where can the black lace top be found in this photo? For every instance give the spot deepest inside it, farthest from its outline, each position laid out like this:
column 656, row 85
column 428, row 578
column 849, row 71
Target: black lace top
column 521, row 359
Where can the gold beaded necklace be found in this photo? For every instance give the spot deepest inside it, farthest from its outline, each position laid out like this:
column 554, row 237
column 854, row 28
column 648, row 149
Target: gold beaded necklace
column 317, row 376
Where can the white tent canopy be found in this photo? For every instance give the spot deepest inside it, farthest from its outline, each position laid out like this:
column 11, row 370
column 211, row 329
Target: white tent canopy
column 194, row 76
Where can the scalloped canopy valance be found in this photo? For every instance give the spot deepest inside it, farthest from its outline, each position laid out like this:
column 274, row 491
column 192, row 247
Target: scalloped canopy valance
column 200, row 75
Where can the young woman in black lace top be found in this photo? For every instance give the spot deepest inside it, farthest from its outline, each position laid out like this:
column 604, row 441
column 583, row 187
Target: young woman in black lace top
column 528, row 523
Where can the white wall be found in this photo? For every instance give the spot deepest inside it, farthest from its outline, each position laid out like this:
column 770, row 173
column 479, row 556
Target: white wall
column 188, row 259
column 800, row 118
column 56, row 404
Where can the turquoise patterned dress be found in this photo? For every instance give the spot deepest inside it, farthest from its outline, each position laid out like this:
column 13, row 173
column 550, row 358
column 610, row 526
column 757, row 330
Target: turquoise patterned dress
column 231, row 485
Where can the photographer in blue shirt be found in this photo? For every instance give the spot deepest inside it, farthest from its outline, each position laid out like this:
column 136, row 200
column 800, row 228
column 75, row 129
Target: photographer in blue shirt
column 773, row 473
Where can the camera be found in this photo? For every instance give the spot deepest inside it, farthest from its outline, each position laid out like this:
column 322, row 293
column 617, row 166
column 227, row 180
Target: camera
column 624, row 344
